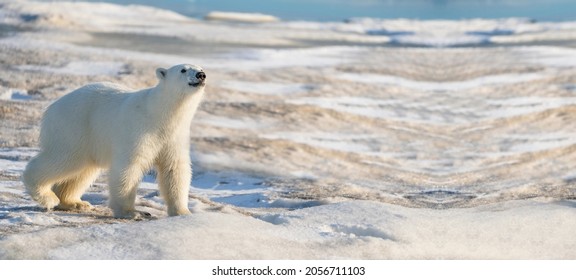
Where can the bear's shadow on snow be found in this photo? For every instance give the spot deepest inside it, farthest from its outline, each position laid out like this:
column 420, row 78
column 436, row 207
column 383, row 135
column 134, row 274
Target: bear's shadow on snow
column 95, row 198
column 97, row 212
column 570, row 202
column 6, row 210
column 99, row 202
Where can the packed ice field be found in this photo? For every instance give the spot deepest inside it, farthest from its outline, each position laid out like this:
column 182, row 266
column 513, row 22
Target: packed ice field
column 364, row 139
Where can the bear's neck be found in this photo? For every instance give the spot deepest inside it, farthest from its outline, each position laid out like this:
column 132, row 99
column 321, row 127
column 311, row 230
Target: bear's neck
column 173, row 110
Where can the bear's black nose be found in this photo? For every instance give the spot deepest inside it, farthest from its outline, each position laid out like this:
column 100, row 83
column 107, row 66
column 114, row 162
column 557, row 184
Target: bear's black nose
column 201, row 76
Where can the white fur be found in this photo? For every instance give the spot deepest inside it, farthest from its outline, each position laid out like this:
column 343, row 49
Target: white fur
column 105, row 125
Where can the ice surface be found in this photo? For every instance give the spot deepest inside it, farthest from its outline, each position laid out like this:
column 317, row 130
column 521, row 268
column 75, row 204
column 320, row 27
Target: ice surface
column 550, row 55
column 266, row 88
column 253, row 59
column 316, row 140
column 445, row 33
column 79, row 68
column 442, row 86
column 340, row 142
column 240, row 17
column 359, row 230
column 369, row 107
column 14, row 94
column 524, row 105
column 237, row 123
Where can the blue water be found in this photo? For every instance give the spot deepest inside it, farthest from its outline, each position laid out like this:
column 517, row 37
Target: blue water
column 337, row 10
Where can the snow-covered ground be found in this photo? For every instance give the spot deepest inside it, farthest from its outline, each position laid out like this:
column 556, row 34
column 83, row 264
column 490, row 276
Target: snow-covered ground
column 365, row 139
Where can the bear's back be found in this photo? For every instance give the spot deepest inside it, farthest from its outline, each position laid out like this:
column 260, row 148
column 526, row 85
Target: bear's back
column 75, row 114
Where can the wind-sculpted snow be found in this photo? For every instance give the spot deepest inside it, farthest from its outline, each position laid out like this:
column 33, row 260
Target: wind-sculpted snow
column 361, row 139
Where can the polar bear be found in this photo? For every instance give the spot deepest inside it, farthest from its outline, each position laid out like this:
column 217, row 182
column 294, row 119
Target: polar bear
column 105, row 125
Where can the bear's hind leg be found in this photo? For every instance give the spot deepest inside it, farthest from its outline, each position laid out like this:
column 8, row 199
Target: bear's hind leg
column 70, row 191
column 41, row 173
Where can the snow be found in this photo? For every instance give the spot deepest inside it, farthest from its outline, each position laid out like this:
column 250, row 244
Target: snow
column 533, row 229
column 432, row 33
column 339, row 142
column 267, row 88
column 90, row 15
column 240, row 17
column 445, row 33
column 365, row 230
column 523, row 105
column 553, row 56
column 254, row 59
column 296, row 156
column 109, row 68
column 236, row 123
column 369, row 107
column 492, row 80
column 14, row 94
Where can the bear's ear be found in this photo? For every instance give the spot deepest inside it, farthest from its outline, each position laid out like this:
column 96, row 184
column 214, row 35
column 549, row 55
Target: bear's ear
column 161, row 73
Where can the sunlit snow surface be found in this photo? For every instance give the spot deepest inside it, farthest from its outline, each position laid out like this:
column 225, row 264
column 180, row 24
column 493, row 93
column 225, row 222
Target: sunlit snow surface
column 367, row 139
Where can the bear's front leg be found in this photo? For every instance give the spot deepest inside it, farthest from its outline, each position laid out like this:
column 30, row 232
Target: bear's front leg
column 174, row 175
column 124, row 180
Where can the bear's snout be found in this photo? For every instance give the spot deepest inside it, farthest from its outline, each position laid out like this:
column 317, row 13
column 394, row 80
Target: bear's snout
column 201, row 76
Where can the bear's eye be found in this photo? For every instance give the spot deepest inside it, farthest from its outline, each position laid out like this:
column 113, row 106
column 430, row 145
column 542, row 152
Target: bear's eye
column 183, row 71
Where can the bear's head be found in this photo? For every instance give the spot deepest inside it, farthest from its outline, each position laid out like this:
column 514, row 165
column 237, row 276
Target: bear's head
column 183, row 77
